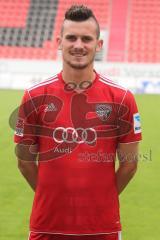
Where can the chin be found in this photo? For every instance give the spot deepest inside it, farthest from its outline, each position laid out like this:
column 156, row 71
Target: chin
column 78, row 65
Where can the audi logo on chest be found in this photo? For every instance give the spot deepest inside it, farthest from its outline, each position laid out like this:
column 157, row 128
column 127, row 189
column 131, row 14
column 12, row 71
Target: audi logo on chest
column 72, row 135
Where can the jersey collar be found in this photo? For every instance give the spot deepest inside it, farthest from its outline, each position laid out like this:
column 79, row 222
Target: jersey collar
column 85, row 86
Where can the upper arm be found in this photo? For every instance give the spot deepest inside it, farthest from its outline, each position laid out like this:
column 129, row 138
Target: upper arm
column 128, row 154
column 132, row 117
column 26, row 155
column 26, row 152
column 25, row 130
column 128, row 144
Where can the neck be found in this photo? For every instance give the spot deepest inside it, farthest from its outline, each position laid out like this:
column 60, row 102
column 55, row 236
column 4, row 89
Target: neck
column 78, row 75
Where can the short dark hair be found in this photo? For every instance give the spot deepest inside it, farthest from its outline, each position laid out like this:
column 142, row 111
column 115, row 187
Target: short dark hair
column 79, row 13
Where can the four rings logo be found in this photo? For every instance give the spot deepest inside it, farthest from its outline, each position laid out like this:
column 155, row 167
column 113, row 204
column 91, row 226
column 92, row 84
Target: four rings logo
column 108, row 114
column 72, row 135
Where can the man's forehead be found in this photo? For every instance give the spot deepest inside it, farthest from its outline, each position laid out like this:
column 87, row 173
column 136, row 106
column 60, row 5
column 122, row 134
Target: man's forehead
column 87, row 27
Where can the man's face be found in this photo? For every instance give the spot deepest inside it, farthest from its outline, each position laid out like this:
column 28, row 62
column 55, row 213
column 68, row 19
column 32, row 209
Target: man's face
column 79, row 43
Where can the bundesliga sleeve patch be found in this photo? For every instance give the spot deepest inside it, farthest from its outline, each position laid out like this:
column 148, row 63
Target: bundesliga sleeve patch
column 137, row 123
column 19, row 131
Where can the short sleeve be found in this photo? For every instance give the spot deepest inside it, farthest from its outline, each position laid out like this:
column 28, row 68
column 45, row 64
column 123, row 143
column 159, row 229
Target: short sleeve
column 132, row 116
column 25, row 129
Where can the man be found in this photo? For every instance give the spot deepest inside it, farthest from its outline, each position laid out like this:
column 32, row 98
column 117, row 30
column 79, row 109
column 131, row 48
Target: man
column 75, row 123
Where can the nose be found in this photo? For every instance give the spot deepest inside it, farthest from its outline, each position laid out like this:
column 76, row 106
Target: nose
column 78, row 43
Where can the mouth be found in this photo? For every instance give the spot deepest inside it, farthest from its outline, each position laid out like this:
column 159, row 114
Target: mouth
column 78, row 54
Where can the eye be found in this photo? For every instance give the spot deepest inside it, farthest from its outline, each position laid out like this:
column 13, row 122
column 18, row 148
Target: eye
column 87, row 39
column 71, row 38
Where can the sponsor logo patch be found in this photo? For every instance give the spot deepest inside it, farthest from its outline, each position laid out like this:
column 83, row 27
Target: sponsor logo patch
column 50, row 108
column 137, row 123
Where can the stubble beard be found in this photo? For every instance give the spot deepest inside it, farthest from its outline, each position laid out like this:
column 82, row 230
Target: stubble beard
column 79, row 66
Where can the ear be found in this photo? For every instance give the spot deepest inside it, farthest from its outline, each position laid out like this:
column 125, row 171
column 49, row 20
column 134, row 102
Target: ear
column 59, row 42
column 99, row 45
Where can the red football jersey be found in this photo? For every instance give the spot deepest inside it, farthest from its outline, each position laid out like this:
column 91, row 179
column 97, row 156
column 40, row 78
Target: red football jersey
column 77, row 135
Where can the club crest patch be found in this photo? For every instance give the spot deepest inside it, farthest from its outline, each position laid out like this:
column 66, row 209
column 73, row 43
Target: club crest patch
column 103, row 111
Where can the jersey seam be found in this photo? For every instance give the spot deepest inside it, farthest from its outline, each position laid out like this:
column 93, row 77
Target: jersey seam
column 74, row 234
column 130, row 142
column 123, row 100
column 32, row 101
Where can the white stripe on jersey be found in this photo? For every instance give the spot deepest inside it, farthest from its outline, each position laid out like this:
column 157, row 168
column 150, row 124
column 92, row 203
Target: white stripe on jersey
column 50, row 80
column 119, row 236
column 122, row 100
column 29, row 235
column 76, row 234
column 108, row 80
column 111, row 83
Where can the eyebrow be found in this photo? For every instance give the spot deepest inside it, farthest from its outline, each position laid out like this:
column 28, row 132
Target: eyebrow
column 70, row 35
column 83, row 36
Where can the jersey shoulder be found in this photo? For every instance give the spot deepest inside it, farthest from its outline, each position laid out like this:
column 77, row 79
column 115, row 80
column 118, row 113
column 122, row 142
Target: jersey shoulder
column 109, row 84
column 41, row 87
column 117, row 92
